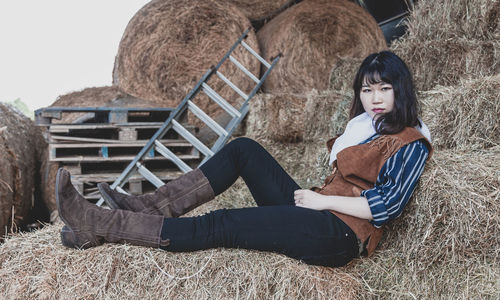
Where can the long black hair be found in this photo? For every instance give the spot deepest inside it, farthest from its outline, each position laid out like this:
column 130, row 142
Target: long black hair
column 387, row 67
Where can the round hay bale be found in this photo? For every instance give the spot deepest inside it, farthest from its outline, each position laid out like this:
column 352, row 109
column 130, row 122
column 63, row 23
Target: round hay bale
column 448, row 233
column 17, row 161
column 168, row 45
column 464, row 116
column 312, row 35
column 261, row 10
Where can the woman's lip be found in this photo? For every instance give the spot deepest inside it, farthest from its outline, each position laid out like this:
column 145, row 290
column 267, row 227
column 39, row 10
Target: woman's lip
column 377, row 110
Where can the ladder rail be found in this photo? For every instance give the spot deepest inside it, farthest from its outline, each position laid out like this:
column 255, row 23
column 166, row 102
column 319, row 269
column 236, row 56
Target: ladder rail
column 186, row 104
column 162, row 130
column 233, row 47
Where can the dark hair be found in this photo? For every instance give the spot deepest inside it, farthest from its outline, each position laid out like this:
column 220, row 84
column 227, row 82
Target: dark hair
column 387, row 67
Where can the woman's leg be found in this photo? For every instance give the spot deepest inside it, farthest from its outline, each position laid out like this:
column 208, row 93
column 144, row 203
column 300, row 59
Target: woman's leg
column 268, row 182
column 266, row 179
column 315, row 237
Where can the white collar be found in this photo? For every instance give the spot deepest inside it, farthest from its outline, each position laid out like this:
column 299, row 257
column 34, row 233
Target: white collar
column 358, row 130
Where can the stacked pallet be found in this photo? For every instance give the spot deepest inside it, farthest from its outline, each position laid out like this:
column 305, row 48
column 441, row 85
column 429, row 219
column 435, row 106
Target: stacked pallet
column 99, row 149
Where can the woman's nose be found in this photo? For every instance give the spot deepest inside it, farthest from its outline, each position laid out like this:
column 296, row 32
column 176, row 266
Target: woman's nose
column 377, row 97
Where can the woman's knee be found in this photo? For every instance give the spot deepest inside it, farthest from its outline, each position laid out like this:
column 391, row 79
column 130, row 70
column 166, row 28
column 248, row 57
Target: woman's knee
column 244, row 144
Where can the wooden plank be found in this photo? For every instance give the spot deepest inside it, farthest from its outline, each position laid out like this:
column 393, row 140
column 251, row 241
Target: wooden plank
column 93, row 158
column 110, row 177
column 59, row 128
column 128, row 144
column 107, row 141
column 127, row 134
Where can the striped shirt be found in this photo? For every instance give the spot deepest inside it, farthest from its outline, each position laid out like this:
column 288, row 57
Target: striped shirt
column 395, row 182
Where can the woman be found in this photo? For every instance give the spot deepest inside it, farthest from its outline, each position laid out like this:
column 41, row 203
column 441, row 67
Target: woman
column 376, row 164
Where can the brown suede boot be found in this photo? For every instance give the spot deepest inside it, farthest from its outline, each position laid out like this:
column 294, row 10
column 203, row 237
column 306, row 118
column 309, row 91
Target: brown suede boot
column 87, row 225
column 170, row 200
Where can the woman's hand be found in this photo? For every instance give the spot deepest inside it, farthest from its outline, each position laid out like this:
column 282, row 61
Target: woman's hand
column 354, row 206
column 310, row 199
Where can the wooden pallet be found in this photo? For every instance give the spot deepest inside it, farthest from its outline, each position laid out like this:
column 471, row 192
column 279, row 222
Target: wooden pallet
column 100, row 148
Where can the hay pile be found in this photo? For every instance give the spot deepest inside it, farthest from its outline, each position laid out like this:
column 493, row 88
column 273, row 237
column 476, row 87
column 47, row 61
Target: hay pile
column 45, row 269
column 446, row 244
column 312, row 35
column 168, row 45
column 20, row 142
column 458, row 39
column 464, row 116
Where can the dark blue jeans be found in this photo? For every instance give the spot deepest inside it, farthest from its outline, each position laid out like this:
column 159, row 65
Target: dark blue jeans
column 276, row 225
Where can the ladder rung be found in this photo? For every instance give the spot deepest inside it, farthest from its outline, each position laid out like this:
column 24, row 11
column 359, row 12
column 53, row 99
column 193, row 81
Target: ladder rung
column 221, row 101
column 235, row 88
column 119, row 189
column 245, row 70
column 149, row 176
column 191, row 138
column 206, row 119
column 263, row 61
column 169, row 154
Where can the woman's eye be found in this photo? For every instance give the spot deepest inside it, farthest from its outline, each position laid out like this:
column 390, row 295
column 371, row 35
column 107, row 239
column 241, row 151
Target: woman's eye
column 386, row 88
column 365, row 90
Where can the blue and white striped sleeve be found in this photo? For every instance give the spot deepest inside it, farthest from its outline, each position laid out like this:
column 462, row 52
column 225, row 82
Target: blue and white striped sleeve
column 395, row 182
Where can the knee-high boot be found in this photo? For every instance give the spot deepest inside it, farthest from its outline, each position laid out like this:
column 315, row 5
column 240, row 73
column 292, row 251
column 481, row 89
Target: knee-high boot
column 87, row 225
column 170, row 200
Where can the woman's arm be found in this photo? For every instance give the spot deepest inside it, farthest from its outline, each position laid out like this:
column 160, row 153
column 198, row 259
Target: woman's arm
column 354, row 206
column 385, row 201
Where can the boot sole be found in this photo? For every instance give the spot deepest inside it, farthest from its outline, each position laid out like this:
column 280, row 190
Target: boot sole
column 107, row 198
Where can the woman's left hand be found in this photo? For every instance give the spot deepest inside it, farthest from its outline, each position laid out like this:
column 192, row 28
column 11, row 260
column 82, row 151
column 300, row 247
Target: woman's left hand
column 310, row 199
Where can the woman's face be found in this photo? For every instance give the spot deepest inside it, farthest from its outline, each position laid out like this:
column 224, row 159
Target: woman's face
column 377, row 98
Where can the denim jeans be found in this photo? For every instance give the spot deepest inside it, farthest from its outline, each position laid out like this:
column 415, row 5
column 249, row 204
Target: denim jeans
column 276, row 225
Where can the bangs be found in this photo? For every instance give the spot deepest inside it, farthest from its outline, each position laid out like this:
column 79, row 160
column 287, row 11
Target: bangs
column 374, row 73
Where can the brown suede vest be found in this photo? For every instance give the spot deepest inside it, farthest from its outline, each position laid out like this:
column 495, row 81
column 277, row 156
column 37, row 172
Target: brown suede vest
column 357, row 168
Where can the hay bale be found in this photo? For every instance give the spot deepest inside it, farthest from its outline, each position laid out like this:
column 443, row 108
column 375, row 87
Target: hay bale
column 94, row 97
column 278, row 116
column 119, row 271
column 261, row 10
column 451, row 40
column 445, row 62
column 343, row 72
column 168, row 45
column 471, row 19
column 446, row 244
column 464, row 116
column 292, row 118
column 17, row 160
column 312, row 35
